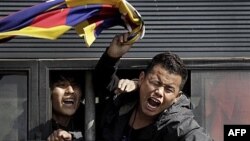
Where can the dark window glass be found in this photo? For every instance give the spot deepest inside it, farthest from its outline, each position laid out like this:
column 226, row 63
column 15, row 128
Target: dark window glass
column 13, row 101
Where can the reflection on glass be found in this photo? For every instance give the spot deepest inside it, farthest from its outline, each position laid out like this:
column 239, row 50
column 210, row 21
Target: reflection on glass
column 221, row 97
column 13, row 101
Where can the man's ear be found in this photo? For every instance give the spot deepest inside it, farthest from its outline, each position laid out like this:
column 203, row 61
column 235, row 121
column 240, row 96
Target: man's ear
column 141, row 78
column 180, row 93
column 178, row 96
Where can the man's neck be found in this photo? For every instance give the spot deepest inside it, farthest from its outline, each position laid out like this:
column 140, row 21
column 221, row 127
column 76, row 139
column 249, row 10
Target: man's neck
column 139, row 120
column 61, row 120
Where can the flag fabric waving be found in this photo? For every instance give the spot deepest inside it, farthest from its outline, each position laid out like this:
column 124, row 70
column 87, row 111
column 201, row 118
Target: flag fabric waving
column 89, row 18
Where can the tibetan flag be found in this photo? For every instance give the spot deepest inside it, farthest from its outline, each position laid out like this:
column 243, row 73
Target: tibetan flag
column 89, row 18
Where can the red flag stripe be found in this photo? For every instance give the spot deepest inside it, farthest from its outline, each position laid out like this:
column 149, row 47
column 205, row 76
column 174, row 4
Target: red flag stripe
column 51, row 19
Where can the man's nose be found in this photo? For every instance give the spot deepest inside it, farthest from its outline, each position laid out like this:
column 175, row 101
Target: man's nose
column 70, row 89
column 160, row 91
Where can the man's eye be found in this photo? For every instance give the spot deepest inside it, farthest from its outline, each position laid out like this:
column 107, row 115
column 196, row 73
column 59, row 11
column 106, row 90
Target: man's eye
column 169, row 90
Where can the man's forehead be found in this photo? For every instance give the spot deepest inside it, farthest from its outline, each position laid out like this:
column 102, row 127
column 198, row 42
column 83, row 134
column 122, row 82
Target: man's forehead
column 158, row 69
column 163, row 75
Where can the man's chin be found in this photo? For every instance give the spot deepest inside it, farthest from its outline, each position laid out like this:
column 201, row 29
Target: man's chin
column 150, row 113
column 69, row 112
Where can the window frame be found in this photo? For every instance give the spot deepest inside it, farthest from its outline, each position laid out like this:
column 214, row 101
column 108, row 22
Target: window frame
column 47, row 65
column 31, row 67
column 215, row 64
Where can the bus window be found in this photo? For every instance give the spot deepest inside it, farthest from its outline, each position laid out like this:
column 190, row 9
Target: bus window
column 221, row 97
column 13, row 101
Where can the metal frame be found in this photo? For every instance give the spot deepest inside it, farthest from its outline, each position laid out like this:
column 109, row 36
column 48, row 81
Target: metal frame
column 31, row 67
column 39, row 105
column 45, row 104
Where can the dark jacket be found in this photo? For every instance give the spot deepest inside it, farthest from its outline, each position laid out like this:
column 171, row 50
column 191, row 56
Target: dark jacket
column 75, row 127
column 174, row 124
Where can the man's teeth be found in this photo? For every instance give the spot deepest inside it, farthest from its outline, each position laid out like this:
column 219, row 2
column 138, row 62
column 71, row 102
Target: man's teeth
column 68, row 101
column 153, row 102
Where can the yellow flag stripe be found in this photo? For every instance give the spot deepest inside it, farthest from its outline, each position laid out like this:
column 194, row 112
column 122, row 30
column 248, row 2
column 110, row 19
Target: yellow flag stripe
column 89, row 34
column 123, row 6
column 86, row 31
column 74, row 3
column 46, row 33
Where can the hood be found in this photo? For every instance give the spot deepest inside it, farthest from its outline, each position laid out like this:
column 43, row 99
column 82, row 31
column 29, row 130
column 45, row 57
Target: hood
column 178, row 117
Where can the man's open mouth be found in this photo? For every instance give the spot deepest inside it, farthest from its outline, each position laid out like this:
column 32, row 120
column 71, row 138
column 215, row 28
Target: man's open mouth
column 69, row 101
column 153, row 103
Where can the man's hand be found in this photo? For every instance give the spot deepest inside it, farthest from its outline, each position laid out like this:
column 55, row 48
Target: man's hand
column 118, row 47
column 60, row 135
column 126, row 85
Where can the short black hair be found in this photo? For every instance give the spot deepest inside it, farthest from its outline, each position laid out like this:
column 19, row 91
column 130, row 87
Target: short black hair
column 64, row 78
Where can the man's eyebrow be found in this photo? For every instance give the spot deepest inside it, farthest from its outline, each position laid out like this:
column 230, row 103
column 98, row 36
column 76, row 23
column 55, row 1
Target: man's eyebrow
column 166, row 85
